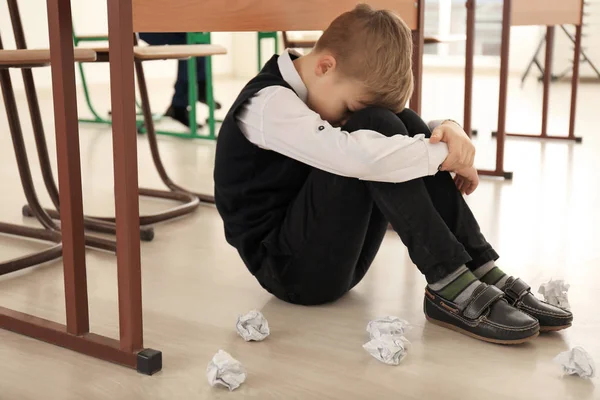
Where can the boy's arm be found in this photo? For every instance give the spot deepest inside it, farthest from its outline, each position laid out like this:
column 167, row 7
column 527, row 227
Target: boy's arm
column 277, row 119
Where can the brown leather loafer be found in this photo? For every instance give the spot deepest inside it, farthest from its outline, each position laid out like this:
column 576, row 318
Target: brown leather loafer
column 486, row 316
column 551, row 318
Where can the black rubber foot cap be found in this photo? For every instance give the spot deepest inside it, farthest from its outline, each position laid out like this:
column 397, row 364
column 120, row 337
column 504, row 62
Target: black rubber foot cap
column 474, row 132
column 26, row 211
column 578, row 139
column 147, row 234
column 508, row 175
column 149, row 361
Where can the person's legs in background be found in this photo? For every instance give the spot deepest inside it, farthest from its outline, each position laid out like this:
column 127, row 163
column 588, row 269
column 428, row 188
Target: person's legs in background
column 178, row 109
column 163, row 38
column 180, row 101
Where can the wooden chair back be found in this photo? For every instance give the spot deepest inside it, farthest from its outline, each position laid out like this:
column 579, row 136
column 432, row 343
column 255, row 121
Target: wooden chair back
column 546, row 12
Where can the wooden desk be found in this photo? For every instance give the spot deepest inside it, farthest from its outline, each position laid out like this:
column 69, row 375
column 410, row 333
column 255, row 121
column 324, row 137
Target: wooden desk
column 525, row 13
column 123, row 17
column 75, row 335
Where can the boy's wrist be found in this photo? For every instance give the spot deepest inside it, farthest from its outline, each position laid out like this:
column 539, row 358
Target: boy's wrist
column 451, row 121
column 466, row 171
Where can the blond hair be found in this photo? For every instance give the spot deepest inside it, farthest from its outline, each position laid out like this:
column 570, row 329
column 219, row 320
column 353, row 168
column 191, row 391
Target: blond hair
column 374, row 47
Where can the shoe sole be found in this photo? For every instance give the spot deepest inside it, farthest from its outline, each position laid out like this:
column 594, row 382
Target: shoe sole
column 473, row 335
column 554, row 328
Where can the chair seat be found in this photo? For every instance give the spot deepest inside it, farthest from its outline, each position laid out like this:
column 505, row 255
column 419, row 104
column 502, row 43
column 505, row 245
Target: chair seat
column 38, row 57
column 176, row 52
column 302, row 43
column 436, row 39
column 168, row 52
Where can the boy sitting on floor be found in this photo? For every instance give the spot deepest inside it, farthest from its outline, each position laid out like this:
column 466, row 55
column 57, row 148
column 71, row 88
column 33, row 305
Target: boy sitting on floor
column 318, row 153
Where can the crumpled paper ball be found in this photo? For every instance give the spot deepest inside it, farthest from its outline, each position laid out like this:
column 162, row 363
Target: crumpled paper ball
column 387, row 326
column 576, row 361
column 389, row 349
column 252, row 326
column 555, row 293
column 225, row 370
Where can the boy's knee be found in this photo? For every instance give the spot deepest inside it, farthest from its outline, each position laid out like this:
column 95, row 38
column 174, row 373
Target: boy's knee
column 414, row 124
column 368, row 113
column 378, row 119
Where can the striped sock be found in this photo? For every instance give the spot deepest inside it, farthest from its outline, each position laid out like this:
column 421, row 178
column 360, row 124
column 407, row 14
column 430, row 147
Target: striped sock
column 458, row 287
column 491, row 274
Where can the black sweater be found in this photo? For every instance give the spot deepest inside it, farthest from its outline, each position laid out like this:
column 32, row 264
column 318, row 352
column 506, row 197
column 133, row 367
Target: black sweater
column 254, row 187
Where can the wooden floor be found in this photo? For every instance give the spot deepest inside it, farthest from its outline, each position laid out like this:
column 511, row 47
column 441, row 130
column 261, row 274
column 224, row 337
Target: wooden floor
column 545, row 224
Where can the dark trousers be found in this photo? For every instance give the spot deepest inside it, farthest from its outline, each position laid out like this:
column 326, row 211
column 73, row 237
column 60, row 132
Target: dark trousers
column 180, row 98
column 334, row 227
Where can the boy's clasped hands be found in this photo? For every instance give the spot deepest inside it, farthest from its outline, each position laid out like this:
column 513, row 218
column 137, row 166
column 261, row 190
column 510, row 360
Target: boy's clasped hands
column 461, row 154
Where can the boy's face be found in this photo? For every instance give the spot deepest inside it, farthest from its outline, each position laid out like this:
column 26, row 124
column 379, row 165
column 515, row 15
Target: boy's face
column 334, row 96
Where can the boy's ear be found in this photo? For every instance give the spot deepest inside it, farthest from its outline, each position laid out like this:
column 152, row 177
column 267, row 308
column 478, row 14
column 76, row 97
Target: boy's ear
column 325, row 64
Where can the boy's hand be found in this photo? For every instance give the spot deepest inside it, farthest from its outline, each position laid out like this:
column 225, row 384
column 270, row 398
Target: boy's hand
column 466, row 180
column 461, row 151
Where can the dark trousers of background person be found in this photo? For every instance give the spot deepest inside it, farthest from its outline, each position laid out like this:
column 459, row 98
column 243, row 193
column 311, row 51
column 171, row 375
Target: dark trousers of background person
column 180, row 98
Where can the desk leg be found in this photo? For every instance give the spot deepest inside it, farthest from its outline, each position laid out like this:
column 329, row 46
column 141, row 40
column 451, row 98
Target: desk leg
column 504, row 54
column 469, row 54
column 120, row 36
column 69, row 169
column 75, row 335
column 547, row 78
column 546, row 98
column 120, row 43
column 418, row 42
column 575, row 83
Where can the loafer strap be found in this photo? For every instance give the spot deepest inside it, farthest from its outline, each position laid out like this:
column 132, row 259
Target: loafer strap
column 515, row 289
column 481, row 302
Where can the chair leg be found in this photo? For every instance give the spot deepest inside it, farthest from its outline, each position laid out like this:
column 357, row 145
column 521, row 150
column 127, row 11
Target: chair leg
column 40, row 138
column 152, row 141
column 210, row 100
column 174, row 212
column 258, row 52
column 30, row 260
column 44, row 256
column 189, row 200
column 286, row 43
column 48, row 233
column 192, row 95
column 24, row 170
column 146, row 232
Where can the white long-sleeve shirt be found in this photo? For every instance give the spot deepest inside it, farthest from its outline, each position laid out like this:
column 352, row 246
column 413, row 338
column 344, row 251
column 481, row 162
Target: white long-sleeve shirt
column 278, row 119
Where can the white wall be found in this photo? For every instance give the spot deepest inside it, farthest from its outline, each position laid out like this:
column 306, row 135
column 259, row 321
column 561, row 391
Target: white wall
column 244, row 53
column 523, row 41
